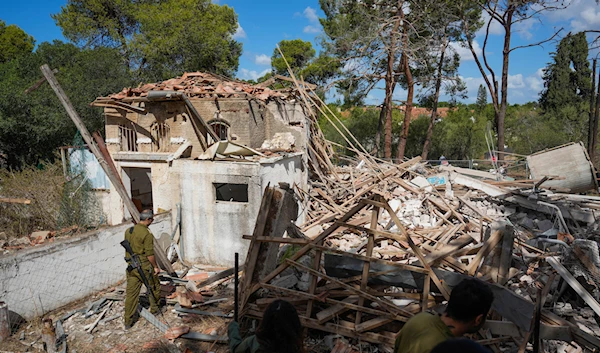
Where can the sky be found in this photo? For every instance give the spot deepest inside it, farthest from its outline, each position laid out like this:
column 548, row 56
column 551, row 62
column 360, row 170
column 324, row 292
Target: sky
column 263, row 23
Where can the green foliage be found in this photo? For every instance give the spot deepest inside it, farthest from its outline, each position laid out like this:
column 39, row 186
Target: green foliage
column 14, row 42
column 186, row 35
column 159, row 39
column 481, row 98
column 461, row 135
column 32, row 126
column 567, row 77
column 300, row 55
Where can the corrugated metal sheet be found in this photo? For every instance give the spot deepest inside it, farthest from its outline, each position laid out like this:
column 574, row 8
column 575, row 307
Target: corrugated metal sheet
column 570, row 162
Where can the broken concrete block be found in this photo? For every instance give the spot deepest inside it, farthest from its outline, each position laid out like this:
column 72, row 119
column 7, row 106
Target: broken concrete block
column 288, row 281
column 19, row 241
column 544, row 225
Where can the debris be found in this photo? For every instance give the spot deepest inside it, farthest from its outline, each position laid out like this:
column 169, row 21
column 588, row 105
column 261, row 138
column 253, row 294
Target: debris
column 175, row 332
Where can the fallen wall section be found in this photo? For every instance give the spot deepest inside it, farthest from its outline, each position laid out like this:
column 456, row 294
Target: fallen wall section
column 43, row 278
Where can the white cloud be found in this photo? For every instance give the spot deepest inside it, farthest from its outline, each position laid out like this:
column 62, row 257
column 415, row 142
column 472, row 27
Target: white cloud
column 311, row 29
column 515, row 81
column 521, row 89
column 252, row 74
column 262, row 59
column 495, row 27
column 465, row 53
column 311, row 15
column 239, row 33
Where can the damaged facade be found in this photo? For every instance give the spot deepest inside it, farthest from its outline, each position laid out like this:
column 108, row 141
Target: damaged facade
column 159, row 144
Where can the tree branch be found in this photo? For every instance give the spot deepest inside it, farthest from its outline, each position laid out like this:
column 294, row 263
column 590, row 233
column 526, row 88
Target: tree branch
column 538, row 43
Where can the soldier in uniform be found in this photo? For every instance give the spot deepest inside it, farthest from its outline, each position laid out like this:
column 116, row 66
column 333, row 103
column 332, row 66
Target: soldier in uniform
column 142, row 244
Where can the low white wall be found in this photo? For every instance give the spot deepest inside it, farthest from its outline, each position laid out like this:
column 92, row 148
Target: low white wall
column 43, row 278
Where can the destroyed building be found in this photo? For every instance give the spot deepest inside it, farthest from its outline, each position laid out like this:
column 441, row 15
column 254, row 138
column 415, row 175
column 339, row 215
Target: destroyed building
column 159, row 143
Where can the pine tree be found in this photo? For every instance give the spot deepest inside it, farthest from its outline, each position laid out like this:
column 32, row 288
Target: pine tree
column 481, row 98
column 567, row 78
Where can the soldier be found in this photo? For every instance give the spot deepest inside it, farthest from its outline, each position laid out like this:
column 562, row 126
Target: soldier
column 142, row 244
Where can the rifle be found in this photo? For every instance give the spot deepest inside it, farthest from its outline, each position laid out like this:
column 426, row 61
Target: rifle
column 135, row 264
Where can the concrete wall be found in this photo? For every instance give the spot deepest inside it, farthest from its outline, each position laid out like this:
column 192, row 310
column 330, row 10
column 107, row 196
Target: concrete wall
column 250, row 123
column 212, row 230
column 43, row 278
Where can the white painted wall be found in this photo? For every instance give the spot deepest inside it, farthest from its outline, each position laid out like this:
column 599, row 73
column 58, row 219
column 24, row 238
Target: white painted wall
column 43, row 278
column 212, row 230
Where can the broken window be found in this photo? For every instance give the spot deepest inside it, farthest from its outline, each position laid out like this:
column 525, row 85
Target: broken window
column 231, row 192
column 221, row 129
column 128, row 138
column 161, row 133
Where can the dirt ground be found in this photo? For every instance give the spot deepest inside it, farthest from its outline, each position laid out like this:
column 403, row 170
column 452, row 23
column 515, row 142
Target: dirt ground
column 112, row 337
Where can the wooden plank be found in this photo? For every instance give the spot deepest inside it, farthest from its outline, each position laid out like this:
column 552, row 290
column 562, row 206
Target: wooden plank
column 114, row 179
column 449, row 249
column 262, row 239
column 568, row 277
column 487, row 247
column 367, row 264
column 335, row 310
column 384, row 303
column 441, row 287
column 11, row 200
column 506, row 255
column 308, row 247
column 372, row 324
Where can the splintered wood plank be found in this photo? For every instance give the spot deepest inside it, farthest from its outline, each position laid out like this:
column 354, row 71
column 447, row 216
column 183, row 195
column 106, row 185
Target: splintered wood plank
column 449, row 249
column 487, row 247
column 372, row 324
column 366, row 264
column 441, row 287
column 335, row 310
column 383, row 302
column 308, row 247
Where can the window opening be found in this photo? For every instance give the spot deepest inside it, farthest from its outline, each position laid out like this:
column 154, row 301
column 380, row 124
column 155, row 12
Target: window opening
column 231, row 192
column 221, row 129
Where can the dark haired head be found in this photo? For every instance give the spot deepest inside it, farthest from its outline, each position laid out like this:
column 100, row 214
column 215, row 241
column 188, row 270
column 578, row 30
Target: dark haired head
column 459, row 346
column 280, row 330
column 470, row 299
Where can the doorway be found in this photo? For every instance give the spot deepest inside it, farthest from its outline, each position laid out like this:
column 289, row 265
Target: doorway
column 138, row 183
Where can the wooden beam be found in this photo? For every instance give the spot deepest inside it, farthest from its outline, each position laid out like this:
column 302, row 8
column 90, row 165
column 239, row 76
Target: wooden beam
column 366, row 265
column 19, row 201
column 487, row 247
column 114, row 179
column 568, row 277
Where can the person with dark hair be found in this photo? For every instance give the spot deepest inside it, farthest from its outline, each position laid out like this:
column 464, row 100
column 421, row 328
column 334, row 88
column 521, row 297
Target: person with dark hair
column 467, row 309
column 142, row 243
column 459, row 345
column 279, row 332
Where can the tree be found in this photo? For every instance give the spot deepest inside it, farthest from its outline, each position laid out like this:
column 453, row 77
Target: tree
column 567, row 77
column 377, row 41
column 507, row 13
column 32, row 126
column 481, row 102
column 301, row 56
column 157, row 38
column 14, row 42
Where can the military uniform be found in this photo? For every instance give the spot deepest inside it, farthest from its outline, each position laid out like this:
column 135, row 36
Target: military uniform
column 142, row 244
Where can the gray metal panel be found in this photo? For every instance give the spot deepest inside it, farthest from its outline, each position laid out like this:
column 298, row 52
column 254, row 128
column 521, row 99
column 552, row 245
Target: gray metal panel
column 570, row 162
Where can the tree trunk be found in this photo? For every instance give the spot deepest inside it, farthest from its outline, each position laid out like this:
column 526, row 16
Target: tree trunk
column 387, row 106
column 408, row 108
column 376, row 150
column 596, row 117
column 438, row 85
column 504, row 89
column 592, row 115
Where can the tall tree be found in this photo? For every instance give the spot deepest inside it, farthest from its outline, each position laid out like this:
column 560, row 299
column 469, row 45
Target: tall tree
column 507, row 13
column 157, row 38
column 481, row 98
column 32, row 126
column 14, row 42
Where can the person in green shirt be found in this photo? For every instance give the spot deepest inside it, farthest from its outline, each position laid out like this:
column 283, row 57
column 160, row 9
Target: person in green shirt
column 279, row 332
column 142, row 244
column 467, row 309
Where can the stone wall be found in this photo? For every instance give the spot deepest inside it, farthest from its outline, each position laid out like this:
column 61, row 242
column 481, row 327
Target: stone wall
column 37, row 280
